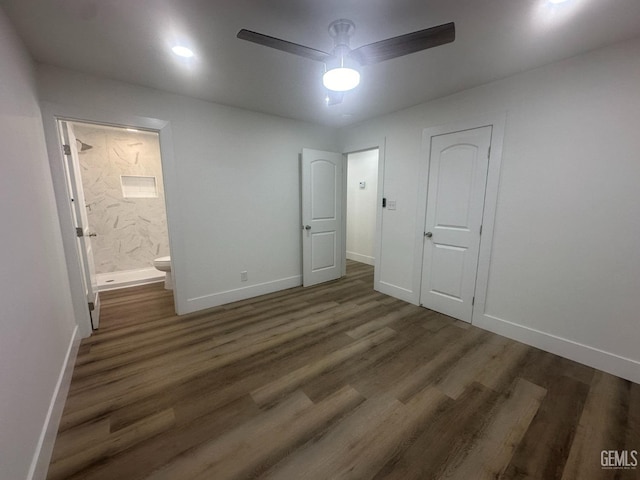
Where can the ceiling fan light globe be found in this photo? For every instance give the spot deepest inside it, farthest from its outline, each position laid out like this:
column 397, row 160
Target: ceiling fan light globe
column 182, row 51
column 341, row 79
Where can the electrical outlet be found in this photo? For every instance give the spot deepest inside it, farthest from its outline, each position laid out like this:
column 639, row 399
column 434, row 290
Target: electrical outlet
column 244, row 276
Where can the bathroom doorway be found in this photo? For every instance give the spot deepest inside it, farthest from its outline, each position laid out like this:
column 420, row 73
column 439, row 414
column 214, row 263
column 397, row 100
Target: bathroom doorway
column 121, row 183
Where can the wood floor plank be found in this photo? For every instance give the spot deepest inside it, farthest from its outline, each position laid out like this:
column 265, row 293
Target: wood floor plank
column 68, row 443
column 221, row 386
column 369, row 363
column 331, row 381
column 114, row 443
column 134, row 387
column 293, row 380
column 145, row 457
column 453, row 428
column 378, row 323
column 209, row 454
column 171, row 348
column 473, row 365
column 292, row 421
column 363, row 442
column 217, row 388
column 489, row 455
column 601, row 427
column 543, row 452
column 500, row 366
column 412, row 372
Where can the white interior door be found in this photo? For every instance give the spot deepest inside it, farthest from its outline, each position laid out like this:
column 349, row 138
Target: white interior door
column 322, row 224
column 455, row 202
column 78, row 206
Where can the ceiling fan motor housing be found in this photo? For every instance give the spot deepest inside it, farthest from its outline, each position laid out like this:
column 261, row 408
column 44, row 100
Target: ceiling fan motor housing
column 341, row 30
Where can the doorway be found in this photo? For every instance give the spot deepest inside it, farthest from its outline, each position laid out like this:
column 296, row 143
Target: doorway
column 362, row 205
column 52, row 114
column 324, row 194
column 123, row 188
column 115, row 191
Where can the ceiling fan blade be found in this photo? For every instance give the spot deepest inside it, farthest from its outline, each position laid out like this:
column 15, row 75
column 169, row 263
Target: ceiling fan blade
column 284, row 45
column 404, row 44
column 334, row 98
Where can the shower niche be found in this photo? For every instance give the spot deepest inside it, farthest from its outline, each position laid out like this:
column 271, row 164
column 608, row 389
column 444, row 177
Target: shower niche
column 138, row 186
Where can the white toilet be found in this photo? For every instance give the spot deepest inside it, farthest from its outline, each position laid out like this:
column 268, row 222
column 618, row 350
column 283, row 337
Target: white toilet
column 164, row 265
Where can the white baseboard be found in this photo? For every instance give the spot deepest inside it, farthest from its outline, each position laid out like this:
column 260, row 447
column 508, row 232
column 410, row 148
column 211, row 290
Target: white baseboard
column 250, row 291
column 42, row 455
column 593, row 357
column 397, row 292
column 361, row 258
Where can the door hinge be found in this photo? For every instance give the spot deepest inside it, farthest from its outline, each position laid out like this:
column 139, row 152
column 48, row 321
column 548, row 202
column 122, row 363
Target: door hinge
column 79, row 232
column 489, row 152
column 473, row 301
column 480, row 229
column 66, row 149
column 92, row 306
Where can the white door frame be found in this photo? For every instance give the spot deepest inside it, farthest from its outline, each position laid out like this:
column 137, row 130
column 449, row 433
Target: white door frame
column 497, row 121
column 380, row 144
column 51, row 113
column 84, row 243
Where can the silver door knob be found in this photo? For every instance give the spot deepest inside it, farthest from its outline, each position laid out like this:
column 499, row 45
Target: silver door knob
column 307, row 227
column 428, row 234
column 93, row 234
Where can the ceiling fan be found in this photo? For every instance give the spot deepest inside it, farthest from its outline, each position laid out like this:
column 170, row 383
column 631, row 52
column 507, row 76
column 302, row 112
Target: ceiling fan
column 342, row 65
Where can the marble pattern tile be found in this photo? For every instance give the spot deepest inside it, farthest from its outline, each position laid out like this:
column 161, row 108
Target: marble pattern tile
column 131, row 232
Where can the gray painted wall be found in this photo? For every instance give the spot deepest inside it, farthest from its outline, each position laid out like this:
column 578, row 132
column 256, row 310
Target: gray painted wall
column 36, row 316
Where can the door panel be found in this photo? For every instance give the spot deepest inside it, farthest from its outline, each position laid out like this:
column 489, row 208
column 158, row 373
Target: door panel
column 458, row 166
column 454, row 187
column 447, row 264
column 79, row 210
column 321, row 216
column 323, row 251
column 323, row 190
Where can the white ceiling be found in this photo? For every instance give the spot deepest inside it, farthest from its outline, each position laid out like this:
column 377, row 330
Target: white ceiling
column 130, row 40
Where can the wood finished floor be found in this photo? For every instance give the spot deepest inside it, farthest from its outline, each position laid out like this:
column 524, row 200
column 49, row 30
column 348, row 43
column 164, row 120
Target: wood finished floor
column 329, row 382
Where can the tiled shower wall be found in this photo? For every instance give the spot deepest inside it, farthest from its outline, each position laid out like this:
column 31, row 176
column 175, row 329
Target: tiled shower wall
column 131, row 232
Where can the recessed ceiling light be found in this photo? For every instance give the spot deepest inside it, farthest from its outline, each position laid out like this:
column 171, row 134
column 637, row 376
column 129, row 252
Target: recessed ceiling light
column 557, row 1
column 182, row 51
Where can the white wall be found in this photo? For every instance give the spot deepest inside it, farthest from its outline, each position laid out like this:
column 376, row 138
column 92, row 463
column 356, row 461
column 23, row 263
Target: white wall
column 565, row 266
column 237, row 194
column 361, row 205
column 36, row 324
